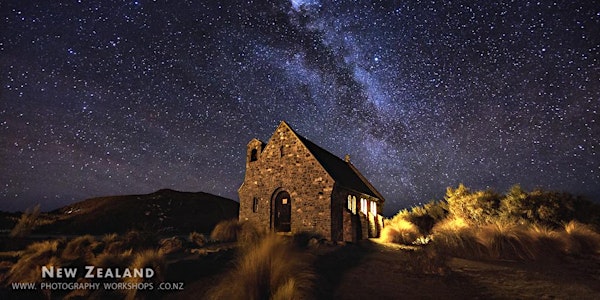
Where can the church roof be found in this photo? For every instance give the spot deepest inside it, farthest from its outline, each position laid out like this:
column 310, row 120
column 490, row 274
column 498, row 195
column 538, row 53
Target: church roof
column 344, row 173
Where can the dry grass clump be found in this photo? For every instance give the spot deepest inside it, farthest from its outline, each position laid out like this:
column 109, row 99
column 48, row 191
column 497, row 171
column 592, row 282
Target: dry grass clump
column 507, row 241
column 245, row 233
column 146, row 259
column 170, row 245
column 581, row 239
column 226, row 231
column 272, row 269
column 36, row 255
column 453, row 237
column 400, row 231
column 26, row 223
column 113, row 260
column 150, row 259
column 502, row 240
column 549, row 243
column 80, row 249
column 197, row 239
column 498, row 240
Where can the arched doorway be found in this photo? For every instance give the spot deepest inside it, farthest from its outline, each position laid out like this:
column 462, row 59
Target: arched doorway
column 282, row 212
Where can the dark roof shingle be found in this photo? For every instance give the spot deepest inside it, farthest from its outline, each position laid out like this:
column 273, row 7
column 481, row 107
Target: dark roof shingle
column 341, row 171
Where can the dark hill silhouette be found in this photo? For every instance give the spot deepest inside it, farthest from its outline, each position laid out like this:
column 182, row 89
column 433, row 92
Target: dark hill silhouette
column 164, row 211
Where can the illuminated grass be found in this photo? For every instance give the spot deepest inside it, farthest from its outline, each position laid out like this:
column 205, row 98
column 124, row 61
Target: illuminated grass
column 272, row 269
column 399, row 231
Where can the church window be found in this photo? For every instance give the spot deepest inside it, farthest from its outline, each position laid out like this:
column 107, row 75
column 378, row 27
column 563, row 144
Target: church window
column 373, row 208
column 363, row 205
column 254, row 204
column 353, row 204
column 350, row 202
column 253, row 155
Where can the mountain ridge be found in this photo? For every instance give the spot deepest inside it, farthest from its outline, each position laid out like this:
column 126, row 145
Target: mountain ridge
column 165, row 210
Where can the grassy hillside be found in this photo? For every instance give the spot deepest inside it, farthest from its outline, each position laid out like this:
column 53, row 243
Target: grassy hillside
column 163, row 211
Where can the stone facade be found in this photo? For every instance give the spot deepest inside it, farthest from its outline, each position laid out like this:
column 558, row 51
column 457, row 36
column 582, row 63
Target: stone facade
column 288, row 188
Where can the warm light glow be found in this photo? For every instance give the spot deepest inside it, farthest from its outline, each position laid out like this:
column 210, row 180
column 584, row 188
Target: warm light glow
column 349, row 202
column 363, row 205
column 373, row 208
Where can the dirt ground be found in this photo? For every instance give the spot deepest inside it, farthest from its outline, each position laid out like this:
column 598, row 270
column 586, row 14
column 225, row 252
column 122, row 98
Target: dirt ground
column 371, row 270
column 386, row 272
column 375, row 271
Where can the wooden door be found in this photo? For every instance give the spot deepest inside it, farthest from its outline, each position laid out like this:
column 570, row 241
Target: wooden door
column 282, row 217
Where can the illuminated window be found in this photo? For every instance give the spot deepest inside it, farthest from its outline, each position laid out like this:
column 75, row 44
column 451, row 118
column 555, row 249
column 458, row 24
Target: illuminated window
column 363, row 205
column 373, row 208
column 353, row 205
column 254, row 204
column 350, row 202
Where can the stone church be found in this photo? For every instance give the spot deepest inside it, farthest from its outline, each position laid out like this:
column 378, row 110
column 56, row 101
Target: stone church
column 292, row 185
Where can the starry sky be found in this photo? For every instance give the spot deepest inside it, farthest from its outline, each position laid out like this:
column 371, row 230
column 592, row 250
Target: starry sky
column 127, row 97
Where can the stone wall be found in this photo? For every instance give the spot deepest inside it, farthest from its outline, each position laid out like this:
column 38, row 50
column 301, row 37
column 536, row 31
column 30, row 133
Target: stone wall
column 354, row 225
column 285, row 164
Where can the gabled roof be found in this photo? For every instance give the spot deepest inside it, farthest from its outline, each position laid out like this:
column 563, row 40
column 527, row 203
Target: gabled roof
column 344, row 173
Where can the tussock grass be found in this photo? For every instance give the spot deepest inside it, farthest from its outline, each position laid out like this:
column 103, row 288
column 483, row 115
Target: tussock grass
column 507, row 241
column 171, row 245
column 150, row 259
column 581, row 239
column 146, row 259
column 197, row 239
column 80, row 249
column 245, row 233
column 271, row 269
column 549, row 243
column 36, row 255
column 110, row 238
column 113, row 260
column 226, row 231
column 26, row 223
column 400, row 231
column 502, row 240
column 453, row 237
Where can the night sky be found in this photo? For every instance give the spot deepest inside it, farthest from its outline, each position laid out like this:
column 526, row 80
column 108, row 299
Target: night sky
column 127, row 97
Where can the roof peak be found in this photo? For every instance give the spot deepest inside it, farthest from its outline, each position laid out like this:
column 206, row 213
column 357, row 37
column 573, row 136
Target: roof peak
column 341, row 170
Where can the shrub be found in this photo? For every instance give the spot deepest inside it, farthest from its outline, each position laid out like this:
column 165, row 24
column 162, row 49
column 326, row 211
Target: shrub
column 272, row 269
column 546, row 208
column 477, row 208
column 424, row 217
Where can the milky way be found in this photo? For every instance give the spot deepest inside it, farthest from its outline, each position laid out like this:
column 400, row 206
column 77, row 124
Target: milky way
column 127, row 97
